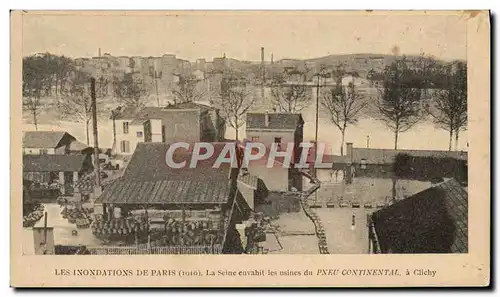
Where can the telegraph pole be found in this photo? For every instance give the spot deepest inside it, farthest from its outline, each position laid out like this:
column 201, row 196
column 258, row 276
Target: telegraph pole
column 96, row 138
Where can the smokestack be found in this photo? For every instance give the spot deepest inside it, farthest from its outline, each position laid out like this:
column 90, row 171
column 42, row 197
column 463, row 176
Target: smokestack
column 99, row 52
column 267, row 119
column 349, row 150
column 262, row 64
column 272, row 58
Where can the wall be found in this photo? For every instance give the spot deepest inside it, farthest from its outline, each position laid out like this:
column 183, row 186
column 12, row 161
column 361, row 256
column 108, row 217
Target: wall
column 131, row 137
column 267, row 136
column 247, row 193
column 36, row 151
column 182, row 125
column 275, row 178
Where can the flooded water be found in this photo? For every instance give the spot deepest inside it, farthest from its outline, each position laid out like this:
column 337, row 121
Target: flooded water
column 421, row 136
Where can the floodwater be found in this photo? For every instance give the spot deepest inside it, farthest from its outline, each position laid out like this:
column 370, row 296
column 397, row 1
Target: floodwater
column 422, row 136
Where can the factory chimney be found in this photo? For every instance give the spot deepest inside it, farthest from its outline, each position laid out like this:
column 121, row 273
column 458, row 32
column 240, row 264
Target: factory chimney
column 262, row 64
column 99, row 52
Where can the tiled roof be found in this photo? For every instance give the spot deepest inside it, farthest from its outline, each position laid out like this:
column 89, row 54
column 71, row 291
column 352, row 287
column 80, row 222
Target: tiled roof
column 288, row 121
column 43, row 139
column 149, row 179
column 133, row 191
column 149, row 163
column 432, row 221
column 386, row 156
column 53, row 163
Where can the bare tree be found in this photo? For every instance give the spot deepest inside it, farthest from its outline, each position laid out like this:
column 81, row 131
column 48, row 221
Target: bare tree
column 130, row 90
column 450, row 103
column 399, row 104
column 77, row 106
column 289, row 97
column 36, row 81
column 233, row 100
column 343, row 105
column 186, row 90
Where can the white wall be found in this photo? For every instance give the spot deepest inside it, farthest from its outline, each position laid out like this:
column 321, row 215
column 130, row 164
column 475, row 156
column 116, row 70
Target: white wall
column 156, row 133
column 36, row 151
column 267, row 136
column 131, row 136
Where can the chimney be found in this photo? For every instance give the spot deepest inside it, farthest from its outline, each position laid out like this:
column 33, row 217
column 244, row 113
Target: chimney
column 267, row 119
column 99, row 52
column 348, row 146
column 262, row 64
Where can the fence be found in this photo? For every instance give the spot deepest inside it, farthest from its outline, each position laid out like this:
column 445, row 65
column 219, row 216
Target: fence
column 165, row 250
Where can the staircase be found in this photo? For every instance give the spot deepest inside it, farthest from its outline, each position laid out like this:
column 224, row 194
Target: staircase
column 311, row 214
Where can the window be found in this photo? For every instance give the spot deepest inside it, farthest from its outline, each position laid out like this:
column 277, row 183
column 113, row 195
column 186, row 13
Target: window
column 363, row 163
column 44, row 152
column 139, row 134
column 255, row 138
column 125, row 146
column 125, row 127
column 277, row 140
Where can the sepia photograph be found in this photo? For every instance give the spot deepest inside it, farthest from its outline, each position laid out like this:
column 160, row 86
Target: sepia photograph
column 272, row 133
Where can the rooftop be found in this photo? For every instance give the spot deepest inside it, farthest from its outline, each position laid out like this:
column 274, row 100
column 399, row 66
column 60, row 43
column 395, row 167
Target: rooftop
column 134, row 191
column 53, row 163
column 432, row 221
column 44, row 139
column 277, row 121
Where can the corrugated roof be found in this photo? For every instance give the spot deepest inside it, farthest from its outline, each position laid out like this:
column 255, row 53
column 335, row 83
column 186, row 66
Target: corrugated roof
column 287, row 121
column 432, row 221
column 43, row 139
column 386, row 156
column 250, row 180
column 53, row 163
column 134, row 191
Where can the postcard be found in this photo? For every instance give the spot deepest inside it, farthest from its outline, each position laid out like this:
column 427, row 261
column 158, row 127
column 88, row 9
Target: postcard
column 250, row 148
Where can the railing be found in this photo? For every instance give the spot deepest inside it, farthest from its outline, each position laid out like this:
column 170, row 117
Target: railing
column 165, row 250
column 318, row 226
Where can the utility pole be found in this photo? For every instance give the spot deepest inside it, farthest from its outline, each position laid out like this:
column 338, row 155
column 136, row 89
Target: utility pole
column 96, row 138
column 317, row 124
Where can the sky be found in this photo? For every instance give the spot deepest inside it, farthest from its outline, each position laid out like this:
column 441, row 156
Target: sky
column 297, row 35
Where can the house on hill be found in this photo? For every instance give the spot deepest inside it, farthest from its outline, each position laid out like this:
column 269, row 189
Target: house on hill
column 432, row 221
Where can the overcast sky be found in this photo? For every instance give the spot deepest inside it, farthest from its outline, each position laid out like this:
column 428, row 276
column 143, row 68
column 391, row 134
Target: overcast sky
column 287, row 35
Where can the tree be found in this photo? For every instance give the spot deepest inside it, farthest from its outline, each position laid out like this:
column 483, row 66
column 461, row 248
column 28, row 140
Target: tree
column 36, row 82
column 343, row 105
column 77, row 106
column 130, row 90
column 233, row 100
column 289, row 97
column 450, row 103
column 399, row 103
column 186, row 90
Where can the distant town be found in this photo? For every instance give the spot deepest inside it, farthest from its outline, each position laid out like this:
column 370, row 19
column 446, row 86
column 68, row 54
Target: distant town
column 97, row 132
